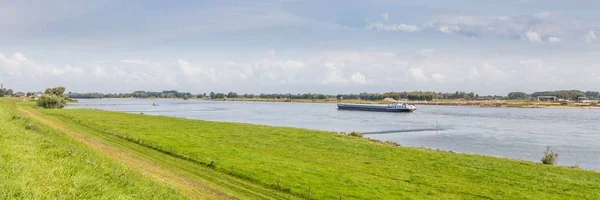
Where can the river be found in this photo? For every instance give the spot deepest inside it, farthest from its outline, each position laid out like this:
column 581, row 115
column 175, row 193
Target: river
column 518, row 133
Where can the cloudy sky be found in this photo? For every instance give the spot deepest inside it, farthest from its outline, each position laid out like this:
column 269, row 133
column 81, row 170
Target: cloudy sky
column 296, row 46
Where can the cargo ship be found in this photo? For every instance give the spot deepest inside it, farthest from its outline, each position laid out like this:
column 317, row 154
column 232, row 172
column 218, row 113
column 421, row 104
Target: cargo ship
column 395, row 107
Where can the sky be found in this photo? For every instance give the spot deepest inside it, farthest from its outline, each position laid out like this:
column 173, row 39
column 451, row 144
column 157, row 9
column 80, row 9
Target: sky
column 489, row 47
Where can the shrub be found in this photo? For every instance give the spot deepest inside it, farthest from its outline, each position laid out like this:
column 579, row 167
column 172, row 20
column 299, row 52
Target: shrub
column 356, row 134
column 391, row 143
column 16, row 117
column 31, row 126
column 51, row 101
column 549, row 157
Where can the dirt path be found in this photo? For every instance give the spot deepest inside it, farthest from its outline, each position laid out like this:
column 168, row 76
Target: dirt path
column 193, row 188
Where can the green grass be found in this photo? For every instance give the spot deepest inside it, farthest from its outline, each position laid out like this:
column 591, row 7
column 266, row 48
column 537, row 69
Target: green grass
column 37, row 162
column 196, row 179
column 292, row 161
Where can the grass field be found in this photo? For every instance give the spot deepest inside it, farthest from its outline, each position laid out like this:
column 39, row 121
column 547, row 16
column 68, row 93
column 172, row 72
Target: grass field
column 37, row 162
column 255, row 162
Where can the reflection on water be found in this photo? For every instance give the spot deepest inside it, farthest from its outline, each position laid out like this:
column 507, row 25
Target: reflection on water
column 518, row 133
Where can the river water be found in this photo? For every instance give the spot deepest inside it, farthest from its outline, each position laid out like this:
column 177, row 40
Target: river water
column 518, row 133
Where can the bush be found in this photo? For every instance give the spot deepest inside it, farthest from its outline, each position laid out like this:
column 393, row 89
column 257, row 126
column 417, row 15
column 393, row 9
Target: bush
column 16, row 117
column 356, row 134
column 51, row 101
column 549, row 157
column 31, row 126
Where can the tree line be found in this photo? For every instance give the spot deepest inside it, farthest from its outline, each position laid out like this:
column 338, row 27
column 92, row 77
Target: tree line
column 416, row 95
column 560, row 94
column 136, row 94
column 413, row 96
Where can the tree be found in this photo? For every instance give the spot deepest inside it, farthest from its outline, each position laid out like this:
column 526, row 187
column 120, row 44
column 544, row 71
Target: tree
column 51, row 101
column 219, row 96
column 592, row 94
column 517, row 95
column 232, row 95
column 212, row 95
column 53, row 98
column 59, row 91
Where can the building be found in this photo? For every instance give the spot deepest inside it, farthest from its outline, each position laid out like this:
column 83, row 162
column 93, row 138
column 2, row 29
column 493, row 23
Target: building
column 547, row 98
column 19, row 94
column 37, row 95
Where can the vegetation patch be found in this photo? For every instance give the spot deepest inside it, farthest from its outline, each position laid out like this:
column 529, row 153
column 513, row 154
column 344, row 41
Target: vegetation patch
column 53, row 98
column 550, row 157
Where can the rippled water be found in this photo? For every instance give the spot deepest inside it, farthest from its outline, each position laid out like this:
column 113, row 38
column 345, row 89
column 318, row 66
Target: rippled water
column 518, row 133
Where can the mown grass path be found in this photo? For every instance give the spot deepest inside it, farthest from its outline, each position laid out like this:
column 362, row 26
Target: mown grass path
column 254, row 161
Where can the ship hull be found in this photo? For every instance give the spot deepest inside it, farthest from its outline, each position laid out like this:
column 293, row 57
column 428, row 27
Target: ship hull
column 374, row 108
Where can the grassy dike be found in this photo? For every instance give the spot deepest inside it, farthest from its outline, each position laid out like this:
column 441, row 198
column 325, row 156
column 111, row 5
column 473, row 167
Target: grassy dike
column 38, row 162
column 257, row 162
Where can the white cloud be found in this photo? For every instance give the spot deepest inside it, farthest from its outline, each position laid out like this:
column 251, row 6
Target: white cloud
column 440, row 78
column 533, row 36
column 385, row 16
column 425, row 52
column 18, row 56
column 272, row 52
column 491, row 72
column 532, row 27
column 133, row 61
column 394, row 27
column 449, row 28
column 554, row 39
column 329, row 72
column 543, row 14
column 418, row 75
column 473, row 73
column 334, row 73
column 358, row 78
column 590, row 36
column 67, row 69
column 99, row 71
column 532, row 62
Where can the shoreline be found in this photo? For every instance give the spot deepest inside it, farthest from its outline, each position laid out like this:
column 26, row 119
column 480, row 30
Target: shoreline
column 472, row 103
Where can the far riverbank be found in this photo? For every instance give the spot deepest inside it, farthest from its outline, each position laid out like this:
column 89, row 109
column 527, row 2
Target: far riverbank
column 476, row 103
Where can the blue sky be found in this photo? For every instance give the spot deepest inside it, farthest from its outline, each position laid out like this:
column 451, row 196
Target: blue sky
column 489, row 47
